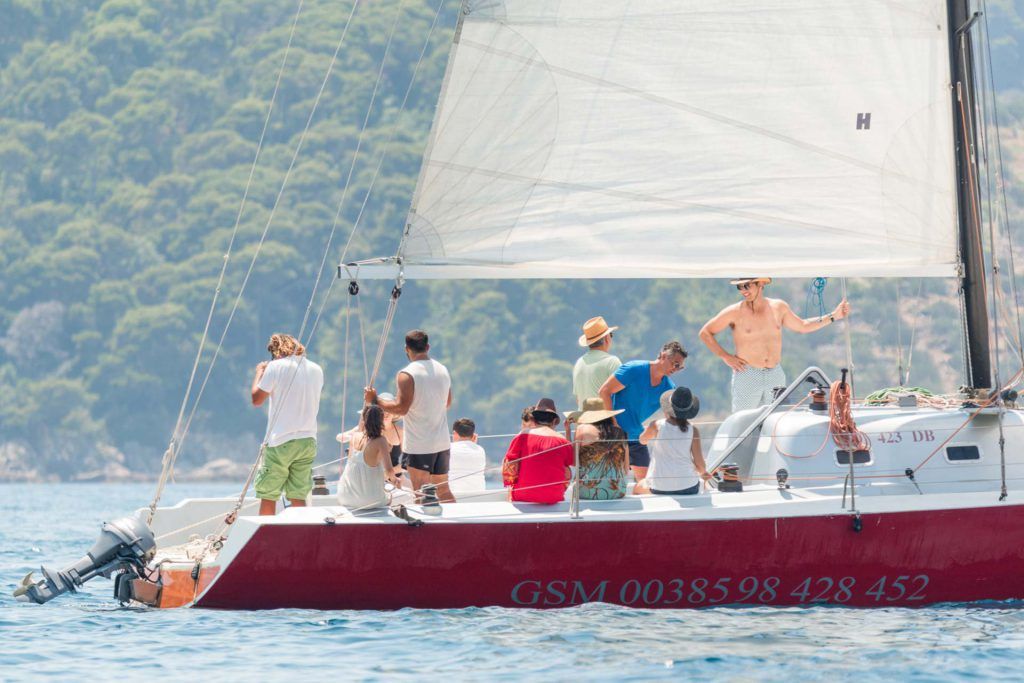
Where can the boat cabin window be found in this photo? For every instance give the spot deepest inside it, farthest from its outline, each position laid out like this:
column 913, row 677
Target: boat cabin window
column 859, row 457
column 961, row 453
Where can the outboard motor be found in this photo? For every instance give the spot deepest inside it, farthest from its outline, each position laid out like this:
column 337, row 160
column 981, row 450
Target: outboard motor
column 124, row 545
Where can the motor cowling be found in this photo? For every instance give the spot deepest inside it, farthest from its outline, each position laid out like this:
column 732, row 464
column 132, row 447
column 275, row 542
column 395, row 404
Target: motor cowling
column 125, row 545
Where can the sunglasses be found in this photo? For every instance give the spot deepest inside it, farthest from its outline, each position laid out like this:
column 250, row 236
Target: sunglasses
column 745, row 286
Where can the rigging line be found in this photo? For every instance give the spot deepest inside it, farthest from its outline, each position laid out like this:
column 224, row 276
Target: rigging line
column 849, row 340
column 362, row 341
column 913, row 334
column 270, row 217
column 376, row 173
column 899, row 333
column 344, row 374
column 388, row 321
column 1001, row 180
column 172, row 450
column 373, row 180
column 992, row 219
column 971, row 155
column 392, row 133
column 994, row 260
column 352, row 168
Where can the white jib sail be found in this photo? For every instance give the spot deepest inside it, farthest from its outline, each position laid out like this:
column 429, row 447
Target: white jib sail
column 690, row 138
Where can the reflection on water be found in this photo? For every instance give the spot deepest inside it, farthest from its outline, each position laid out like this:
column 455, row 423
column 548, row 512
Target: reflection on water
column 89, row 634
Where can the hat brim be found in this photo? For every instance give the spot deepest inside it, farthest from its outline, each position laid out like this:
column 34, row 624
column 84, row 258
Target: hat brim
column 689, row 414
column 546, row 413
column 745, row 280
column 589, row 417
column 585, row 342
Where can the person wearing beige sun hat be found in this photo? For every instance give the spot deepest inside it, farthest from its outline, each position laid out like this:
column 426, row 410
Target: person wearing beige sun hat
column 604, row 462
column 597, row 364
column 756, row 324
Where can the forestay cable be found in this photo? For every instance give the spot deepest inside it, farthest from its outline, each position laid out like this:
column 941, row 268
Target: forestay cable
column 270, row 217
column 351, row 170
column 177, row 436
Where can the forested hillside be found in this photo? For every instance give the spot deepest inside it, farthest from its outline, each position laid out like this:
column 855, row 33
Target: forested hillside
column 127, row 132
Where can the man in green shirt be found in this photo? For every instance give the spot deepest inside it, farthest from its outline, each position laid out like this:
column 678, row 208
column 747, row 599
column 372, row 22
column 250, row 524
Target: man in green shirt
column 596, row 365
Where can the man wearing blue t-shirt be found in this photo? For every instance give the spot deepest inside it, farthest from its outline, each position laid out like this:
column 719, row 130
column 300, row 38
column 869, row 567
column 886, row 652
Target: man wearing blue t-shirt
column 636, row 388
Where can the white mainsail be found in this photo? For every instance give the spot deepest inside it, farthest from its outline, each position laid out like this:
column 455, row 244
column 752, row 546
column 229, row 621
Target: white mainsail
column 687, row 138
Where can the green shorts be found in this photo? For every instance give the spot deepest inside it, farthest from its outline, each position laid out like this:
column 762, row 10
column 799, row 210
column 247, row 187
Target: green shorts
column 288, row 468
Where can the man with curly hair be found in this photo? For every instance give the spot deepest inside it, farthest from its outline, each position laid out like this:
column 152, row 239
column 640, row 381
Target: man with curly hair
column 293, row 384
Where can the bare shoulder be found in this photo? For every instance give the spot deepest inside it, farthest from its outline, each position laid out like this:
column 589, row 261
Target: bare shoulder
column 730, row 312
column 587, row 433
column 377, row 446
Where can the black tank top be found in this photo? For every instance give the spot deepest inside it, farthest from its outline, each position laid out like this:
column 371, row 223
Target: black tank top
column 396, row 455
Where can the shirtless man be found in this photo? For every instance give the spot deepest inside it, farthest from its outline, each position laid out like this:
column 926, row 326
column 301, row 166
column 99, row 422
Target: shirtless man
column 756, row 324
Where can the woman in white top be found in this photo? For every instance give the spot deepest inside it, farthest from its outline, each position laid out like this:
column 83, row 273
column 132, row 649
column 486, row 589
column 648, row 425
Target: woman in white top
column 677, row 463
column 369, row 464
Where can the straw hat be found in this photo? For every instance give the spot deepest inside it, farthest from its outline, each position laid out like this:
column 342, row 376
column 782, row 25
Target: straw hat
column 595, row 329
column 593, row 411
column 680, row 403
column 747, row 280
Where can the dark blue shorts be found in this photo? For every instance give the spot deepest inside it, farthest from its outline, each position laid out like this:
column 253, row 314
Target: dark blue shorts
column 682, row 492
column 639, row 456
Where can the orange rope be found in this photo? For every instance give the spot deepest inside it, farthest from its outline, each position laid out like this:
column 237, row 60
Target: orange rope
column 785, row 454
column 844, row 430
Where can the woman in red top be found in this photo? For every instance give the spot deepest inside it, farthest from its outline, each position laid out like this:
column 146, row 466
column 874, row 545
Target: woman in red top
column 538, row 459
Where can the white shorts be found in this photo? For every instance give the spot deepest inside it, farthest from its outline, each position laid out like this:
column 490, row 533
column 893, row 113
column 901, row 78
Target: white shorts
column 753, row 387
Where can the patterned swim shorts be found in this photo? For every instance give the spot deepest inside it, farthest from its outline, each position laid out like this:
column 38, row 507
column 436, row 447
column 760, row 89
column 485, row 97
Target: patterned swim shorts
column 753, row 387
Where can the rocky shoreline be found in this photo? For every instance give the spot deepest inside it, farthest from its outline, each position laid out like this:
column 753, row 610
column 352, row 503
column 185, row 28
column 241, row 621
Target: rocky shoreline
column 17, row 465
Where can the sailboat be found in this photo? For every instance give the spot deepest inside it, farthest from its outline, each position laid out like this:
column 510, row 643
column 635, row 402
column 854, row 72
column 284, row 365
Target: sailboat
column 674, row 139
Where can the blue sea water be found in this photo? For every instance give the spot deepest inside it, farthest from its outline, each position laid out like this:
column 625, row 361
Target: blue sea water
column 89, row 635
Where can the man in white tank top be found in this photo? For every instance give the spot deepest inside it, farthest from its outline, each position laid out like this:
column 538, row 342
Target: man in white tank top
column 423, row 397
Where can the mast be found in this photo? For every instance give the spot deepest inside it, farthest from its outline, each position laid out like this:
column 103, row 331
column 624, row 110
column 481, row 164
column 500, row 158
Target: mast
column 972, row 276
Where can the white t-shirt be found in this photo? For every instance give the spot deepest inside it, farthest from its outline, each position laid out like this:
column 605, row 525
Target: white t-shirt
column 294, row 384
column 672, row 467
column 466, row 467
column 426, row 423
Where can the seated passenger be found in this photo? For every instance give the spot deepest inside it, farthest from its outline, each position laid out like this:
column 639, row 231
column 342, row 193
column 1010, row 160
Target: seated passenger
column 369, row 464
column 677, row 464
column 538, row 461
column 526, row 419
column 604, row 463
column 468, row 459
column 392, row 432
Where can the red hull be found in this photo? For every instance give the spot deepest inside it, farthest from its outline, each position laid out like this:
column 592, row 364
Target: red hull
column 898, row 559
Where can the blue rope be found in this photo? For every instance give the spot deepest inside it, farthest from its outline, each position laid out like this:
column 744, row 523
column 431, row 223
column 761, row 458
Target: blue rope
column 815, row 294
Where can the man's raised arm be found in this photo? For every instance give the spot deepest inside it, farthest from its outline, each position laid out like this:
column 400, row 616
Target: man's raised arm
column 806, row 325
column 403, row 398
